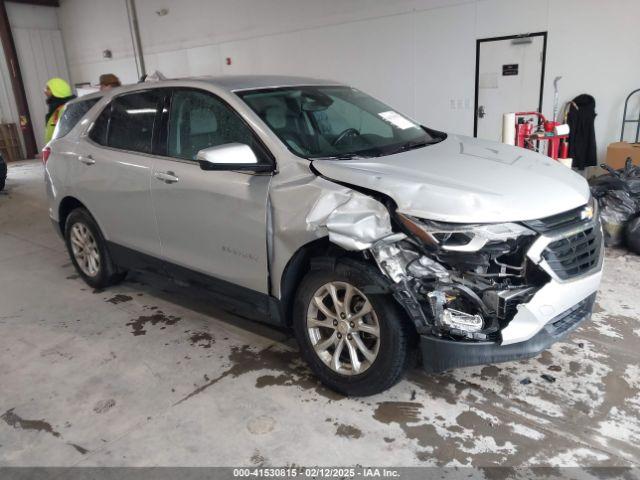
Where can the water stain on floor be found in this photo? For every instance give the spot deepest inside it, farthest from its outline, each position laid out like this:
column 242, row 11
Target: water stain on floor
column 119, row 298
column 290, row 367
column 14, row 420
column 138, row 324
column 400, row 412
column 257, row 459
column 348, row 431
column 103, row 406
column 79, row 449
column 201, row 339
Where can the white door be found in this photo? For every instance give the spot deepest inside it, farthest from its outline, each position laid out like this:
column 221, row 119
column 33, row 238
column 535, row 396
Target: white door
column 41, row 57
column 509, row 80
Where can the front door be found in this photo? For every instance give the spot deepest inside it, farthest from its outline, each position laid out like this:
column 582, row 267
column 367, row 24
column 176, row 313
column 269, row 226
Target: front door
column 210, row 222
column 509, row 78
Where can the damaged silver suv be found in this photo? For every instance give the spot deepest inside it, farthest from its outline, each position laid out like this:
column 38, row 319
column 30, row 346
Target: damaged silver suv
column 309, row 204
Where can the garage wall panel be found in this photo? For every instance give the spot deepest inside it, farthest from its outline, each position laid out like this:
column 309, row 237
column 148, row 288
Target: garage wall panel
column 124, row 68
column 41, row 57
column 445, row 68
column 204, row 60
column 417, row 55
column 597, row 51
column 190, row 23
column 496, row 18
column 375, row 55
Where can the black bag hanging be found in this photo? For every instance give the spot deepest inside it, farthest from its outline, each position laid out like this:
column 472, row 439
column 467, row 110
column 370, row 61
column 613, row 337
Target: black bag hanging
column 582, row 134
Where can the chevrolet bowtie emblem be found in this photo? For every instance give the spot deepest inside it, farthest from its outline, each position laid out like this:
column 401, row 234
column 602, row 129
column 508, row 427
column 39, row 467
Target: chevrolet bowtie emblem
column 586, row 213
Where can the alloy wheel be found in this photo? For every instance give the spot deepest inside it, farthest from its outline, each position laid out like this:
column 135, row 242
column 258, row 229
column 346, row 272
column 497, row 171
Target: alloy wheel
column 85, row 249
column 343, row 328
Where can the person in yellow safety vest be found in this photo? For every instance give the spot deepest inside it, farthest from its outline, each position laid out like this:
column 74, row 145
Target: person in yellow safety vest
column 58, row 93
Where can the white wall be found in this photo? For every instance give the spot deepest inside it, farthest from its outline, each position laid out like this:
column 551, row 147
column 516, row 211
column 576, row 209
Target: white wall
column 40, row 54
column 418, row 55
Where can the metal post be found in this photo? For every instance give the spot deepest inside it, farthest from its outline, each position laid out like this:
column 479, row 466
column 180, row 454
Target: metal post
column 135, row 37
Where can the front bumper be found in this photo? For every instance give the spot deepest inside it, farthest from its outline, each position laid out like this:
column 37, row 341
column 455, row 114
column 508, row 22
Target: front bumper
column 439, row 355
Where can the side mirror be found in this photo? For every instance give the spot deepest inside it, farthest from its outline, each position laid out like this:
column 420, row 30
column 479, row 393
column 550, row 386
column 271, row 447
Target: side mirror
column 231, row 156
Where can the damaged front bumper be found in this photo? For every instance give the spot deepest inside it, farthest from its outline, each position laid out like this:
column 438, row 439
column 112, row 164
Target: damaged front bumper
column 439, row 355
column 545, row 307
column 476, row 293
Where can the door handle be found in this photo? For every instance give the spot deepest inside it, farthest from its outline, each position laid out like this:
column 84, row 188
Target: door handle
column 166, row 177
column 481, row 112
column 87, row 160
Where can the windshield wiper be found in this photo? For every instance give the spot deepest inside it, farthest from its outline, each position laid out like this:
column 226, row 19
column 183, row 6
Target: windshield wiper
column 341, row 156
column 412, row 146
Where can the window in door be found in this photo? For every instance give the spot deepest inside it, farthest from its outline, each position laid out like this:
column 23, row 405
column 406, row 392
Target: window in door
column 132, row 119
column 71, row 116
column 199, row 120
column 100, row 127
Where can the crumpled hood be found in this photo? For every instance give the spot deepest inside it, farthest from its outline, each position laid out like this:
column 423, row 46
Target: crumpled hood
column 466, row 180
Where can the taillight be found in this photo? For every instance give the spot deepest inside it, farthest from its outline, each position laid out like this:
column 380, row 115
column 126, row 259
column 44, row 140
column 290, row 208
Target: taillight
column 46, row 151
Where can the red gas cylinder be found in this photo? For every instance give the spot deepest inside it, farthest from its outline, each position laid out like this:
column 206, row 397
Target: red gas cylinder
column 564, row 150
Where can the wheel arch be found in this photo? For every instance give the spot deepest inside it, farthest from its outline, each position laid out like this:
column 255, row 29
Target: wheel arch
column 68, row 205
column 317, row 254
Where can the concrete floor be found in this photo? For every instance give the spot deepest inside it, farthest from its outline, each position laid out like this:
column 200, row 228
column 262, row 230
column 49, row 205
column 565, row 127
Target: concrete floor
column 144, row 375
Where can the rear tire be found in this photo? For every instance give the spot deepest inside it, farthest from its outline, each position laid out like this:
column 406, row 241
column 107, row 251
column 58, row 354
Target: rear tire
column 88, row 251
column 380, row 339
column 3, row 174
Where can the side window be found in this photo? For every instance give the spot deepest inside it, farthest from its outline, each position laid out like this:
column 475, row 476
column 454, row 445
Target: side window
column 100, row 127
column 132, row 118
column 199, row 120
column 71, row 116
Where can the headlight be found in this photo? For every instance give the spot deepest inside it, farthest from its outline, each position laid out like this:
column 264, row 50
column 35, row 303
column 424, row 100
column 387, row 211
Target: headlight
column 462, row 237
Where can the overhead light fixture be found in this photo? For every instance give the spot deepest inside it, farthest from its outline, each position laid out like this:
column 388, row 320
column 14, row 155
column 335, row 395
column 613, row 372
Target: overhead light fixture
column 521, row 41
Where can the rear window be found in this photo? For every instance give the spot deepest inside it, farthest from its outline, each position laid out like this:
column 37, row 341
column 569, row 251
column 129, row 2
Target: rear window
column 132, row 118
column 100, row 127
column 71, row 116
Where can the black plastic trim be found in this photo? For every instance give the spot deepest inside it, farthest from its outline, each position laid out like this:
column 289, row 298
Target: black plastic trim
column 439, row 355
column 239, row 300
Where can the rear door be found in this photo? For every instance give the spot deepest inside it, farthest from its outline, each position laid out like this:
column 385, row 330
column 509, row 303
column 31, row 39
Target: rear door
column 113, row 170
column 210, row 222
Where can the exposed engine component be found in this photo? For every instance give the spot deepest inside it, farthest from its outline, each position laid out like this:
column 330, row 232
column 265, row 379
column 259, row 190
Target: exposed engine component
column 466, row 280
column 504, row 302
column 461, row 320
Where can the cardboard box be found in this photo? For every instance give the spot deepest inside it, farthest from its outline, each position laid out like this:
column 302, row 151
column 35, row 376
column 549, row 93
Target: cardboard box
column 618, row 152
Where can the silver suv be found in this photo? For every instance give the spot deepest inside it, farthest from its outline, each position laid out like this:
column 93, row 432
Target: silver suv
column 308, row 204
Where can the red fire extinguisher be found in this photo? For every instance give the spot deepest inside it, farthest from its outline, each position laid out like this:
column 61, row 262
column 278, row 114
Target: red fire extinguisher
column 523, row 131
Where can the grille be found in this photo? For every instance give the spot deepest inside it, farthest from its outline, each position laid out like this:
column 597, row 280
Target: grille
column 571, row 318
column 555, row 222
column 575, row 255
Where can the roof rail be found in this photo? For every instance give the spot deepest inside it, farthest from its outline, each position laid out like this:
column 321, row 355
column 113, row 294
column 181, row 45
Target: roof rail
column 154, row 77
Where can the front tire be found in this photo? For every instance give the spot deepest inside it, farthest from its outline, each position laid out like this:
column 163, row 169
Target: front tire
column 88, row 250
column 354, row 337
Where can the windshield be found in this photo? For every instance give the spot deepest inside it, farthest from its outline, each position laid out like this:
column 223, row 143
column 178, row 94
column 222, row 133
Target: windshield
column 335, row 121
